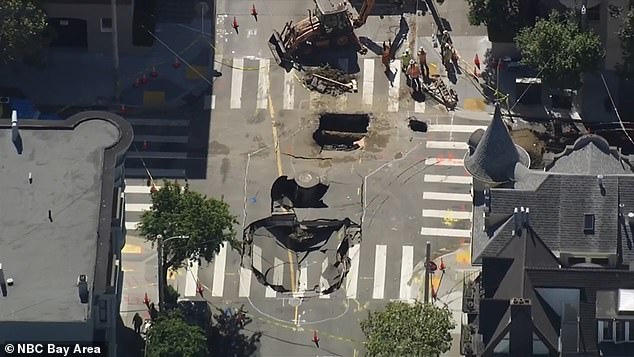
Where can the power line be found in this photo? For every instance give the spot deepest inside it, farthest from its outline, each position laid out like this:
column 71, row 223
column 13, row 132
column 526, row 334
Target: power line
column 618, row 116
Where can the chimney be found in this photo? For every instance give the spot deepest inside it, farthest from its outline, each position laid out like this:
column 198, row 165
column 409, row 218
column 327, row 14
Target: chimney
column 600, row 178
column 3, row 284
column 14, row 126
column 516, row 223
column 526, row 218
column 521, row 329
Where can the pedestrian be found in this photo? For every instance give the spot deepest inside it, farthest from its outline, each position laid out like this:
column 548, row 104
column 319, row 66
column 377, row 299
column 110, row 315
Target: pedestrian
column 385, row 56
column 153, row 312
column 447, row 54
column 414, row 74
column 137, row 321
column 405, row 59
column 422, row 59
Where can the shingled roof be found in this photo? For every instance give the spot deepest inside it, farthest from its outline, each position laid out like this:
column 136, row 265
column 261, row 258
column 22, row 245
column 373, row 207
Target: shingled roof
column 495, row 155
column 559, row 199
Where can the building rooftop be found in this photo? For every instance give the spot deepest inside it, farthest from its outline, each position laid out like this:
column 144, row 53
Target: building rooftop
column 72, row 165
column 588, row 180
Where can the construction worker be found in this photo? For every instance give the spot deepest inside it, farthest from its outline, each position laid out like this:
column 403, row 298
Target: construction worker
column 405, row 59
column 385, row 56
column 422, row 60
column 413, row 72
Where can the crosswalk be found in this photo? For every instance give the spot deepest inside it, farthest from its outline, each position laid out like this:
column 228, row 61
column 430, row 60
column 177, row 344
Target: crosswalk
column 446, row 190
column 160, row 148
column 376, row 92
column 137, row 200
column 382, row 285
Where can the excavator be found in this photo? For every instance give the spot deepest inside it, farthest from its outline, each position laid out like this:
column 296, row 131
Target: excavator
column 330, row 25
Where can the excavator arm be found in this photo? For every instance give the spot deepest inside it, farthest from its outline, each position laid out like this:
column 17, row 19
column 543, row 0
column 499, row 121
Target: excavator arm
column 366, row 8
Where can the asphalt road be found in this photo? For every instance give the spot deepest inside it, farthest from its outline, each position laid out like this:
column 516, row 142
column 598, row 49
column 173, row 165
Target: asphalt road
column 406, row 187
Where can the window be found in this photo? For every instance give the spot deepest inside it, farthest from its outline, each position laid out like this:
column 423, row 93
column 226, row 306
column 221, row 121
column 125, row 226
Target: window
column 620, row 331
column 631, row 330
column 608, row 330
column 600, row 261
column 576, row 260
column 106, row 24
column 588, row 224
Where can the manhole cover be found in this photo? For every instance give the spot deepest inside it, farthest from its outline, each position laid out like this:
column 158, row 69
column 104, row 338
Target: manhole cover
column 295, row 301
column 305, row 177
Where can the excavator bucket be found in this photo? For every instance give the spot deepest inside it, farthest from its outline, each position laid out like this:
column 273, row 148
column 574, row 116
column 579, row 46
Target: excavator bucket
column 280, row 54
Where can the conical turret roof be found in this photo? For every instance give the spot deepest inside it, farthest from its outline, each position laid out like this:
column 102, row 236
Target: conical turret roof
column 495, row 157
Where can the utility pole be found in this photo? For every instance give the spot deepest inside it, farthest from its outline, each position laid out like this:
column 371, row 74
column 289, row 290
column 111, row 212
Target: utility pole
column 161, row 278
column 115, row 51
column 427, row 261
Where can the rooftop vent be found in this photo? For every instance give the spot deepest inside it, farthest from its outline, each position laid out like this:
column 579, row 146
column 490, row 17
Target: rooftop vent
column 82, row 286
column 588, row 223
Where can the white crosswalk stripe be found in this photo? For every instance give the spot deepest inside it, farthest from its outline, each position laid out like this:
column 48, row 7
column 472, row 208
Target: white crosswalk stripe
column 452, row 145
column 444, row 162
column 353, row 274
column 394, row 91
column 419, row 107
column 220, row 262
column 445, row 232
column 462, row 180
column 379, row 271
column 368, row 82
column 454, row 128
column 236, row 83
column 433, row 213
column 263, row 84
column 289, row 91
column 447, row 196
column 407, row 266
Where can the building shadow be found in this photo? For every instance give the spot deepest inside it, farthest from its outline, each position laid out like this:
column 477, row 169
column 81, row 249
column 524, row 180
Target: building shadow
column 129, row 343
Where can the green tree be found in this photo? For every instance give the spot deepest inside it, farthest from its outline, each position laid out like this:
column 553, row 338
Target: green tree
column 22, row 28
column 502, row 17
column 626, row 35
column 560, row 50
column 171, row 336
column 404, row 329
column 178, row 211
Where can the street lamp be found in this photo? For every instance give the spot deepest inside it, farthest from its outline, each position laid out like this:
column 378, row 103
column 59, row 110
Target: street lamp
column 159, row 248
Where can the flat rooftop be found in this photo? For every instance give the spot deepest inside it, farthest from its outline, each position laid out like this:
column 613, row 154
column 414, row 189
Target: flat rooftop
column 44, row 256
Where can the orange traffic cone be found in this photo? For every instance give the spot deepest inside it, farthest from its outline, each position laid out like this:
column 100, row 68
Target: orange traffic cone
column 235, row 24
column 145, row 145
column 442, row 264
column 315, row 338
column 122, row 109
column 254, row 13
column 476, row 61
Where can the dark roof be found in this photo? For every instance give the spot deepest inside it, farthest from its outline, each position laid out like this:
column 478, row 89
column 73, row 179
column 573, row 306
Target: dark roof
column 495, row 156
column 558, row 200
column 73, row 165
column 591, row 155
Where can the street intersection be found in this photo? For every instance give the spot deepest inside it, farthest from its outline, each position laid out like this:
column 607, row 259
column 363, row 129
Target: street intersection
column 404, row 187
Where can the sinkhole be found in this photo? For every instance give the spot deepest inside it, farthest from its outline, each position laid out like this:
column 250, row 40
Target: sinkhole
column 342, row 132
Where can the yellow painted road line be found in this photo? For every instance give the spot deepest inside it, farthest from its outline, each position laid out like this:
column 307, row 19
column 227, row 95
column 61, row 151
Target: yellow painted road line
column 278, row 159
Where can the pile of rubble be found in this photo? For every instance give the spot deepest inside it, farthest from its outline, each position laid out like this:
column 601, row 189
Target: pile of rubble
column 330, row 81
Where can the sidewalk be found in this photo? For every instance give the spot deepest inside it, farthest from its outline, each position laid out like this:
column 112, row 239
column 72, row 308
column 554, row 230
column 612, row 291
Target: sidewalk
column 448, row 287
column 77, row 78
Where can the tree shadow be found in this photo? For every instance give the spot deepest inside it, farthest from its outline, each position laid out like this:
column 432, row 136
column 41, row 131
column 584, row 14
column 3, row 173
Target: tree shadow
column 226, row 335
